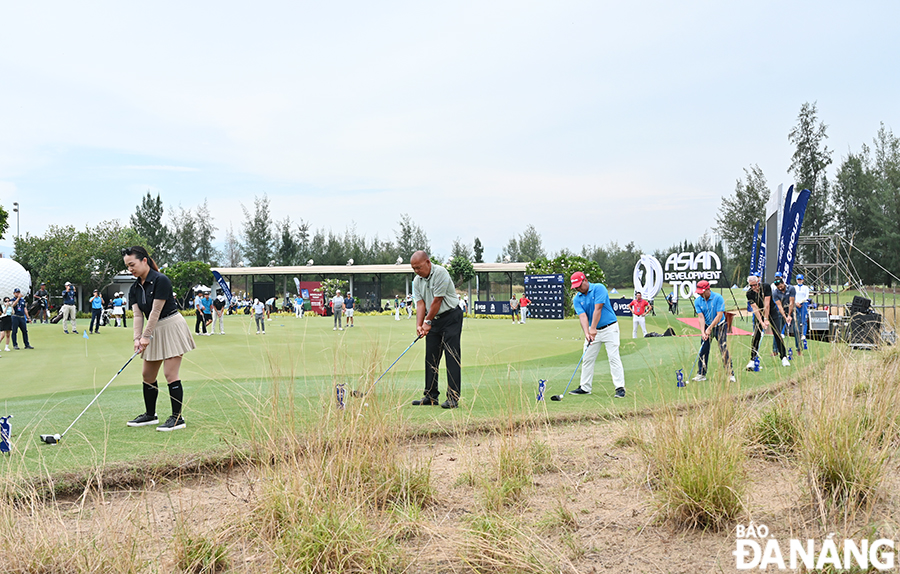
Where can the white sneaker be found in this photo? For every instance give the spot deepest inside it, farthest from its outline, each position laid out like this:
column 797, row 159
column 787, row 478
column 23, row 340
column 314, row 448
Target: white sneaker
column 257, row 332
column 7, row 348
column 732, row 379
column 785, row 362
column 341, row 329
column 750, row 366
column 334, row 328
column 699, row 378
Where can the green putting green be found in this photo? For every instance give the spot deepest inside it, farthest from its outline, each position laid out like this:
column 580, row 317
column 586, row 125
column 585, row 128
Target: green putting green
column 239, row 384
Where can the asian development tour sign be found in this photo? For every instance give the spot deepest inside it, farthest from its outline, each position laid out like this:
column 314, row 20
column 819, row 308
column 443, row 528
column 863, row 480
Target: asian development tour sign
column 684, row 270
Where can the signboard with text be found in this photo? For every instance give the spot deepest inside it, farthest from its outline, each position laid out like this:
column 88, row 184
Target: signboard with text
column 547, row 295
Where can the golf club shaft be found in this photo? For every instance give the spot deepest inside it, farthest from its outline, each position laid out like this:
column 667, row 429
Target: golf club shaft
column 98, row 394
column 572, row 378
column 392, row 364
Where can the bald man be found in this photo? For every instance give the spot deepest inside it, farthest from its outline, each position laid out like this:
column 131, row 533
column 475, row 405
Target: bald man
column 439, row 320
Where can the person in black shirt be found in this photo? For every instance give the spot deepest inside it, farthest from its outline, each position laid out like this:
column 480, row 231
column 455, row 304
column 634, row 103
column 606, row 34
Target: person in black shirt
column 219, row 314
column 759, row 295
column 162, row 342
column 42, row 298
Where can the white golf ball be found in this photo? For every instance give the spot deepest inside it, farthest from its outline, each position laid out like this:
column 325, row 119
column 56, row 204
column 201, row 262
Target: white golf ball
column 365, row 404
column 12, row 276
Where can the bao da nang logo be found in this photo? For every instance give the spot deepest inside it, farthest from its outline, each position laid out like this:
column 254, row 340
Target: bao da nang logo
column 757, row 549
column 684, row 270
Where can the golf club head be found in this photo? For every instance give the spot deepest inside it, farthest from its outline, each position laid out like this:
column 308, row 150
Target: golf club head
column 556, row 398
column 50, row 438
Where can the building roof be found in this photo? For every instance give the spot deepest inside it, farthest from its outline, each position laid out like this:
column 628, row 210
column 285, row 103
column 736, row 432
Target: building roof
column 403, row 268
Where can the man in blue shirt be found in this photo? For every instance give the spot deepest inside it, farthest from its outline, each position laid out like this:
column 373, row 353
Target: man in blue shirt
column 598, row 321
column 348, row 308
column 710, row 309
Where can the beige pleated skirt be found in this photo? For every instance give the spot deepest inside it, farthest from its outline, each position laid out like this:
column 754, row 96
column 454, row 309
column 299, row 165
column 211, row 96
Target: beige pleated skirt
column 171, row 338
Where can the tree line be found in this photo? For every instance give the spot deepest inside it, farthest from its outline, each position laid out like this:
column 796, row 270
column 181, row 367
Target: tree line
column 860, row 202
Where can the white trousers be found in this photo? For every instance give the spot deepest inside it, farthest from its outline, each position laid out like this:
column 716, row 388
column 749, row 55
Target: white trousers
column 610, row 338
column 220, row 319
column 642, row 321
column 523, row 312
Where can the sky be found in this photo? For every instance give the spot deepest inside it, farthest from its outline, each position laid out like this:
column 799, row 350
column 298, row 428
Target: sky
column 594, row 121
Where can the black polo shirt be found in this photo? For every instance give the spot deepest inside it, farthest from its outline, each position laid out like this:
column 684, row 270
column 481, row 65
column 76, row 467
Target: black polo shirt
column 156, row 286
column 759, row 297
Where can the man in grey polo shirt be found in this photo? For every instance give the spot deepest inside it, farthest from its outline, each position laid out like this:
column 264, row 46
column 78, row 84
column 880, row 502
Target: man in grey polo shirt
column 439, row 320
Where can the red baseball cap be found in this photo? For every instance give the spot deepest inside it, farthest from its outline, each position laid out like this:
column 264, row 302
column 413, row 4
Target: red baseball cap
column 577, row 279
column 702, row 286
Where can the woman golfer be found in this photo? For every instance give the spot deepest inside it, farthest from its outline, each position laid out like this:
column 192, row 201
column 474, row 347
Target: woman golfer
column 162, row 341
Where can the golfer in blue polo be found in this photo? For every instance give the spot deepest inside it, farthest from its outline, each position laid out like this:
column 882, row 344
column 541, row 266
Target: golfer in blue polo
column 710, row 309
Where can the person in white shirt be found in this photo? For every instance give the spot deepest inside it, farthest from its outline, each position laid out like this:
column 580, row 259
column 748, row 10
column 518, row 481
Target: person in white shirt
column 802, row 303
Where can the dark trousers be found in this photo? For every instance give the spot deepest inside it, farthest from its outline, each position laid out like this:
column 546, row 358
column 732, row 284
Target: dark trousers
column 201, row 322
column 21, row 323
column 720, row 333
column 777, row 323
column 757, row 335
column 95, row 319
column 444, row 335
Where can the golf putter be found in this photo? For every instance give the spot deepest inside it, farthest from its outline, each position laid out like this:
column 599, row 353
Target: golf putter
column 55, row 438
column 560, row 397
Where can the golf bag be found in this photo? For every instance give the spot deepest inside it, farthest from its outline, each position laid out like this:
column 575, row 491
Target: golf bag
column 57, row 318
column 105, row 317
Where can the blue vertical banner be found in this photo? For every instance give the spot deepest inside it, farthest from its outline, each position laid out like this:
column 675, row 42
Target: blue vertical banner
column 761, row 261
column 221, row 281
column 790, row 232
column 753, row 249
column 785, row 217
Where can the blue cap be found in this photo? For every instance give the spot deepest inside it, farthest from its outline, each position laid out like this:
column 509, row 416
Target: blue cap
column 799, row 277
column 778, row 274
column 17, row 290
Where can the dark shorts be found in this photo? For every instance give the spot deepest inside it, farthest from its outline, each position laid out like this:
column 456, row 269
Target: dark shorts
column 6, row 323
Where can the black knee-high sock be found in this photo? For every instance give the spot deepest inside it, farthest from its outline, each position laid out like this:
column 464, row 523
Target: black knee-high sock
column 176, row 394
column 151, row 391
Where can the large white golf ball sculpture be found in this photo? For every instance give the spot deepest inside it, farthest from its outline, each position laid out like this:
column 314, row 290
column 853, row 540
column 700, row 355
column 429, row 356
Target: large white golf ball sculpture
column 12, row 276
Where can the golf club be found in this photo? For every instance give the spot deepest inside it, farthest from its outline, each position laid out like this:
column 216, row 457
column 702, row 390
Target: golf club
column 55, row 438
column 560, row 397
column 358, row 393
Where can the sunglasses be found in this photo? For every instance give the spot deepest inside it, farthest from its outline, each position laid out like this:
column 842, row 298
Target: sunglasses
column 127, row 251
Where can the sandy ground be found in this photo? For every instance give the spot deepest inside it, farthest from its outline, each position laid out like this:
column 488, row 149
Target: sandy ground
column 604, row 486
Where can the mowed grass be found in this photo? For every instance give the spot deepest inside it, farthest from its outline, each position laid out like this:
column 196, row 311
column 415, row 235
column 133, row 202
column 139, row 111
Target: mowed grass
column 232, row 382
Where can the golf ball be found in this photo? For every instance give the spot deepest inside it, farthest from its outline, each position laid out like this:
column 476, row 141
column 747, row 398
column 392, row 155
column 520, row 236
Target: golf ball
column 12, row 276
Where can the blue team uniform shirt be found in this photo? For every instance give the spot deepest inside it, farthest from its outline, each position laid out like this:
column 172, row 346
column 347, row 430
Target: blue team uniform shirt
column 596, row 294
column 19, row 307
column 97, row 303
column 207, row 305
column 348, row 302
column 710, row 308
column 68, row 297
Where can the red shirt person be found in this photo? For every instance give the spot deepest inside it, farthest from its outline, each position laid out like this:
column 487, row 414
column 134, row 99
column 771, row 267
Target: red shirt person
column 523, row 312
column 639, row 309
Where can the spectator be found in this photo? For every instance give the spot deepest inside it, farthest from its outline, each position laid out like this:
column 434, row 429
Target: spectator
column 524, row 302
column 43, row 301
column 119, row 309
column 337, row 308
column 68, row 308
column 259, row 310
column 6, row 313
column 513, row 308
column 96, row 302
column 639, row 308
column 19, row 319
column 198, row 311
column 348, row 308
column 219, row 314
column 207, row 309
